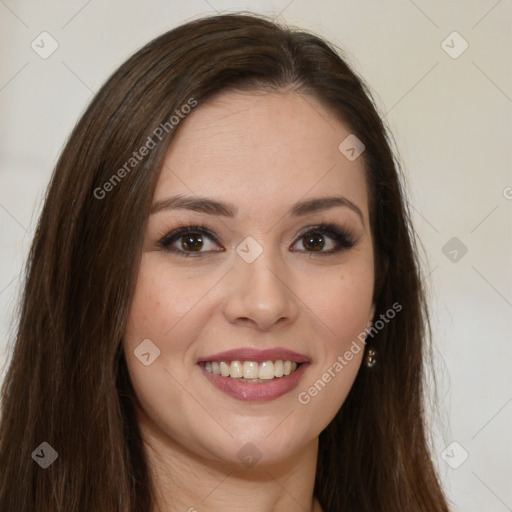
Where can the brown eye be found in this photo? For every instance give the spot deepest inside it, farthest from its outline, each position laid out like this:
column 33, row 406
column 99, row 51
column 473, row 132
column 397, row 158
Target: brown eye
column 192, row 242
column 314, row 242
column 188, row 241
column 326, row 239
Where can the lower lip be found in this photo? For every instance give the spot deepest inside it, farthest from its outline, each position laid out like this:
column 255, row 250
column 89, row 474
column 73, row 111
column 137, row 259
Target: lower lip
column 257, row 392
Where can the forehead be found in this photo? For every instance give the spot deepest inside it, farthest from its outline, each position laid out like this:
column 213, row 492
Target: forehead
column 263, row 149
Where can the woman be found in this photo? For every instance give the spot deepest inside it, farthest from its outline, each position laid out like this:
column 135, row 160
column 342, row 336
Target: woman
column 223, row 308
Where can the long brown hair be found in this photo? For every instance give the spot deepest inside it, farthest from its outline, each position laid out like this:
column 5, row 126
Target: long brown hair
column 67, row 383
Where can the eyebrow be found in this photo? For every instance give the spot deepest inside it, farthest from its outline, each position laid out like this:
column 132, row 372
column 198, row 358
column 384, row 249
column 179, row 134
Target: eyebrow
column 214, row 207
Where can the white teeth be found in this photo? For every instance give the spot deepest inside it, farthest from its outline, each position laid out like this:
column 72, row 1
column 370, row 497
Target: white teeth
column 251, row 370
column 224, row 369
column 278, row 368
column 236, row 370
column 266, row 370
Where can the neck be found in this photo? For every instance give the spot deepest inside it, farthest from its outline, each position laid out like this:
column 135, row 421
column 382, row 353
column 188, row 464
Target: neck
column 184, row 481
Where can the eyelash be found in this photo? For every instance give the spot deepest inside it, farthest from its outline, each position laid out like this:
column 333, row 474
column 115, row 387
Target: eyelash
column 342, row 237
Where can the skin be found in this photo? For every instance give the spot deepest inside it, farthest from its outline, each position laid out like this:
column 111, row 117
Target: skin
column 263, row 152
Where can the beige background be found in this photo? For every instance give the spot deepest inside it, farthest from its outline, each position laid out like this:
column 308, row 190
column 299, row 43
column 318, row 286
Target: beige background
column 451, row 118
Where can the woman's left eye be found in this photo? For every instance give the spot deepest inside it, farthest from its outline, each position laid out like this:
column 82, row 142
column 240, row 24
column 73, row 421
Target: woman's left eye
column 326, row 239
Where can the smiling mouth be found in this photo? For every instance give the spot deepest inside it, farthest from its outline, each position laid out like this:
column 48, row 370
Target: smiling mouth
column 252, row 371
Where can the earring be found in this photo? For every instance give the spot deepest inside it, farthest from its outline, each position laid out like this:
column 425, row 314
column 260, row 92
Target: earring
column 370, row 358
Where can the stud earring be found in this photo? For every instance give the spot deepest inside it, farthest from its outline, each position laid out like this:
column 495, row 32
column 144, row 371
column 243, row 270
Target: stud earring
column 371, row 358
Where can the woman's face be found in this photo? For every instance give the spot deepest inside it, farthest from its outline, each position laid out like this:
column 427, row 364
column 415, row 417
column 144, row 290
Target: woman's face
column 259, row 288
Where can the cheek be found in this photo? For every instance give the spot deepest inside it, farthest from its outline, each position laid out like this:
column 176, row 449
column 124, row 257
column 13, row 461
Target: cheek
column 349, row 311
column 341, row 304
column 341, row 301
column 168, row 311
column 161, row 305
column 152, row 312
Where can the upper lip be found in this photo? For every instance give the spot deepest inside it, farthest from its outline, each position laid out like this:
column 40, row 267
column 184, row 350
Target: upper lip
column 253, row 354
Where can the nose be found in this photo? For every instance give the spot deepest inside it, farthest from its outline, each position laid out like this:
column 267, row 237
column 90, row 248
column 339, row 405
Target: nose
column 260, row 294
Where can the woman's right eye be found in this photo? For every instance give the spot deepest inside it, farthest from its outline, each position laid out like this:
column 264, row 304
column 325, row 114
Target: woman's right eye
column 190, row 241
